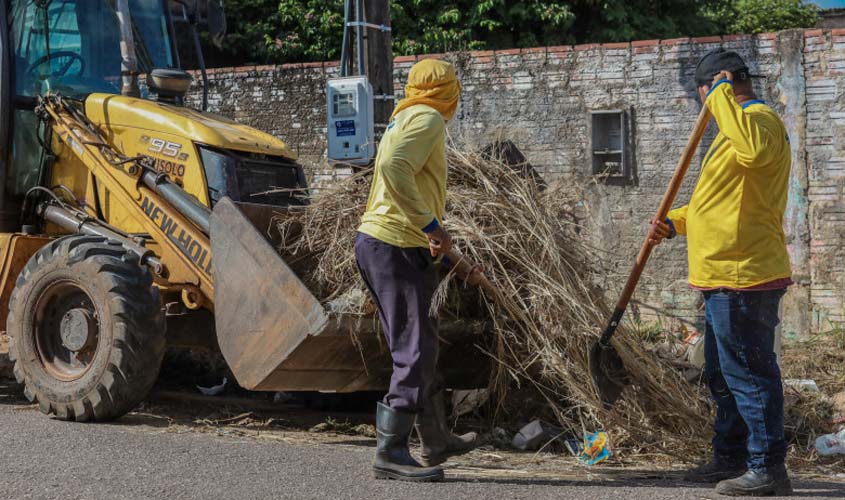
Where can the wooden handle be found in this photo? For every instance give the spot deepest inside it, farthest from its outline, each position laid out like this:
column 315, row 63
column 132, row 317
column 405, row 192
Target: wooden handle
column 666, row 204
column 463, row 267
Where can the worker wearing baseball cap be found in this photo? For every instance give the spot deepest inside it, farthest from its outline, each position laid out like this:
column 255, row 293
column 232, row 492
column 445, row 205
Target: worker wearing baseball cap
column 400, row 235
column 738, row 259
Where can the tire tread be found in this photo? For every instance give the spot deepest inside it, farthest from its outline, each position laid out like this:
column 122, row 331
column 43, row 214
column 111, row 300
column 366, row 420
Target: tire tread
column 138, row 329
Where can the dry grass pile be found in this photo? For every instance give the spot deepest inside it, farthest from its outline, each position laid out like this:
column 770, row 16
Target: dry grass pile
column 548, row 314
column 820, row 358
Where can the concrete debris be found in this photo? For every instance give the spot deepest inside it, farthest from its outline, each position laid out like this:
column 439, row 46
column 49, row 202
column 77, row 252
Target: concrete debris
column 213, row 390
column 534, row 435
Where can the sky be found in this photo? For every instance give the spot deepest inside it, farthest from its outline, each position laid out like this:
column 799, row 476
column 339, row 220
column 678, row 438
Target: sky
column 829, row 4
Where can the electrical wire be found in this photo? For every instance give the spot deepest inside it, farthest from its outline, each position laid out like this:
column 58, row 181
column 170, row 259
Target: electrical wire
column 344, row 46
column 360, row 30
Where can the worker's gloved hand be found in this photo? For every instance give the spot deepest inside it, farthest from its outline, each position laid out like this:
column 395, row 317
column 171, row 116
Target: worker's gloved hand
column 439, row 242
column 660, row 230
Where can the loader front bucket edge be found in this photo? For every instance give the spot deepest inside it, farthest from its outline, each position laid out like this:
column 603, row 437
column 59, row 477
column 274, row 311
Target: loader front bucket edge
column 263, row 312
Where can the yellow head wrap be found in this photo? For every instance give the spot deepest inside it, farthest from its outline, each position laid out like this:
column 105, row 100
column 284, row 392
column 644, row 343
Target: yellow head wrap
column 433, row 83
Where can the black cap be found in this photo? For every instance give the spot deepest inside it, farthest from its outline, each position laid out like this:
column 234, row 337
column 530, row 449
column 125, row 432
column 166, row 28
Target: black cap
column 718, row 60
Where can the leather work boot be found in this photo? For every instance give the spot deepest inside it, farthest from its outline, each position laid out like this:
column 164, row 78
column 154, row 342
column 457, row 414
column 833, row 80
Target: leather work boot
column 773, row 481
column 714, row 471
column 437, row 442
column 393, row 460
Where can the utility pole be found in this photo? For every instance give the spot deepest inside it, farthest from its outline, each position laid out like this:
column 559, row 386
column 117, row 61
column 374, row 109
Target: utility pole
column 379, row 61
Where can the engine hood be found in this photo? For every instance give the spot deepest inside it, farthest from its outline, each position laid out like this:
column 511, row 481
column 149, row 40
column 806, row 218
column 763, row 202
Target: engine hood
column 109, row 110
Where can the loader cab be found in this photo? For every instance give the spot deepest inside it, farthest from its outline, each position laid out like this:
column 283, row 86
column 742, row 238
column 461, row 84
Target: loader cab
column 73, row 47
column 67, row 46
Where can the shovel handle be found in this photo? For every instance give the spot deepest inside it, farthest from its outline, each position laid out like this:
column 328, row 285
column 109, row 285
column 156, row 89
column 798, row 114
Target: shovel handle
column 662, row 212
column 462, row 266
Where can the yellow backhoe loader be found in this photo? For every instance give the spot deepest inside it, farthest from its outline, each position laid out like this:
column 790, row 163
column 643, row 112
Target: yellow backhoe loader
column 129, row 221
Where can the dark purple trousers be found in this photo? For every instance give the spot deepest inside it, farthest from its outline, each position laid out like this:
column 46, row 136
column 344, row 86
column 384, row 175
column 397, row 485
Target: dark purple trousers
column 402, row 282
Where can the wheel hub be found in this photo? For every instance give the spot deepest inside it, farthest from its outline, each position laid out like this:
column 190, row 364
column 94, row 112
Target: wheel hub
column 78, row 330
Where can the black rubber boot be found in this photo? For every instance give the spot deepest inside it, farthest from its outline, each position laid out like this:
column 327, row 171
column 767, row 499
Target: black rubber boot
column 714, row 471
column 437, row 442
column 773, row 481
column 393, row 460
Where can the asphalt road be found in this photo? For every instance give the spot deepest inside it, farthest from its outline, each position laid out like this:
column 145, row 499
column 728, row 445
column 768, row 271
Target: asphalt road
column 147, row 457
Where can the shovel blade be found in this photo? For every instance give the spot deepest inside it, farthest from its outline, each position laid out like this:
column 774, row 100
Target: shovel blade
column 608, row 373
column 262, row 310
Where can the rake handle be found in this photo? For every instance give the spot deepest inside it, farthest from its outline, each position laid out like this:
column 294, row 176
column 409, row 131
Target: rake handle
column 662, row 211
column 462, row 266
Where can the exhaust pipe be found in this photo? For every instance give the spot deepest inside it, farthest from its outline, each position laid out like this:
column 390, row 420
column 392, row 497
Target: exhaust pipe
column 128, row 61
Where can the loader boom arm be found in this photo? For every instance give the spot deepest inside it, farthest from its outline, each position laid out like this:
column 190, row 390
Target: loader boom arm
column 185, row 248
column 268, row 324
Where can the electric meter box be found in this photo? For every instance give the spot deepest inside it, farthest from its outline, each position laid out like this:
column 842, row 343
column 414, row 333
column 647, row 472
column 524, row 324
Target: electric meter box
column 350, row 127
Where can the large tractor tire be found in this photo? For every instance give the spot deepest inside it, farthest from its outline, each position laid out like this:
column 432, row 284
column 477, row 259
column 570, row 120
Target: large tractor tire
column 87, row 329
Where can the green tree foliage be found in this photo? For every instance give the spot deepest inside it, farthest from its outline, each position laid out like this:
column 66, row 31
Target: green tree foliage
column 268, row 31
column 436, row 26
column 271, row 31
column 759, row 16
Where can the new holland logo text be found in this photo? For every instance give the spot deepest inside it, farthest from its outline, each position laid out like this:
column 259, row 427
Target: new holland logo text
column 190, row 247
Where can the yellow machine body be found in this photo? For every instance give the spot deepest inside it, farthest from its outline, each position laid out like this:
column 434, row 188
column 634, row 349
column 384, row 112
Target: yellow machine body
column 168, row 135
column 181, row 198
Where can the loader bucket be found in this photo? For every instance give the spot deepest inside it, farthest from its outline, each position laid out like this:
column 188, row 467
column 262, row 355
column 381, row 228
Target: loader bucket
column 263, row 312
column 276, row 336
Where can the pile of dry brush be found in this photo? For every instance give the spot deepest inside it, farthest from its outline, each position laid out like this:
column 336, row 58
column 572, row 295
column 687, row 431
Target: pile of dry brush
column 550, row 310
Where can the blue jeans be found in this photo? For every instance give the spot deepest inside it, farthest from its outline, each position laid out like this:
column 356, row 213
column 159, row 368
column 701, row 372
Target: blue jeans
column 744, row 378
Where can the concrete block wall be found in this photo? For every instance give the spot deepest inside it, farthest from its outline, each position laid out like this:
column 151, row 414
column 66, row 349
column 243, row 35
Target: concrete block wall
column 824, row 72
column 541, row 99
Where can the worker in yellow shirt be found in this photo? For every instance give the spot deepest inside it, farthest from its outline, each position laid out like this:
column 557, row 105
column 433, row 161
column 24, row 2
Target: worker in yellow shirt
column 738, row 259
column 398, row 239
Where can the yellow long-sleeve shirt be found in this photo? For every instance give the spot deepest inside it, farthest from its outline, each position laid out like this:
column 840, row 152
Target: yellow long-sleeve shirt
column 734, row 220
column 408, row 192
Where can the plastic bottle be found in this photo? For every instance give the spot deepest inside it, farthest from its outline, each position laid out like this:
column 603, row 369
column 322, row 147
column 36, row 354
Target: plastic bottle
column 831, row 444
